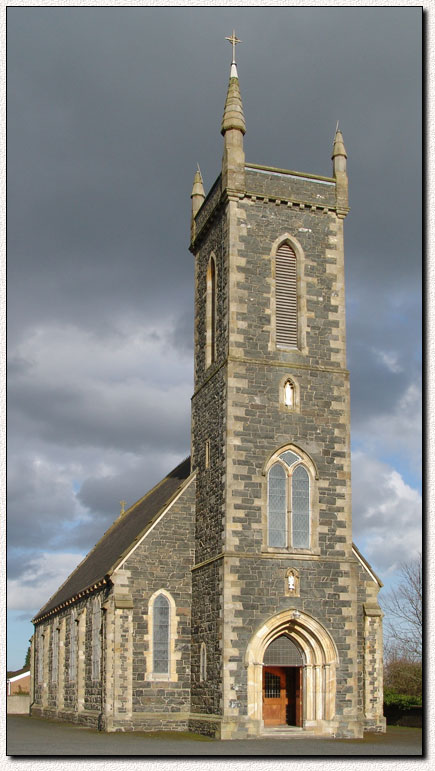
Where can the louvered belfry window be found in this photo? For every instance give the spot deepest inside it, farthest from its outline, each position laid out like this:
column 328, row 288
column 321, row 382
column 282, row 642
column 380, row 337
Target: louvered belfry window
column 286, row 297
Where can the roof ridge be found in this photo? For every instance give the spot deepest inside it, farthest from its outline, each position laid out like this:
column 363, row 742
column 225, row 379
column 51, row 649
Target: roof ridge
column 117, row 522
column 161, row 511
column 366, row 564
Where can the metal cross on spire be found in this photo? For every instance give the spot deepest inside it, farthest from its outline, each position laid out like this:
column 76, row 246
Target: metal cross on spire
column 234, row 40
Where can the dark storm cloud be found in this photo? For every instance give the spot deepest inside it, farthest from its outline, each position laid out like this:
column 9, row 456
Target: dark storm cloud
column 79, row 417
column 109, row 110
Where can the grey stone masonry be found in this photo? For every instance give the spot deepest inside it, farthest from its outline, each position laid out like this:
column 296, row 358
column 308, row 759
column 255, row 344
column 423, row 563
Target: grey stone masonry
column 74, row 695
column 127, row 694
column 161, row 561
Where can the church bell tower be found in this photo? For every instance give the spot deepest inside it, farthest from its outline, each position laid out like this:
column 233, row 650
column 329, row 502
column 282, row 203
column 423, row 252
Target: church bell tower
column 275, row 573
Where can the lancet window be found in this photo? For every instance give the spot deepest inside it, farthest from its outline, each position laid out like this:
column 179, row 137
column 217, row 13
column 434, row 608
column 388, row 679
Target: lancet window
column 161, row 631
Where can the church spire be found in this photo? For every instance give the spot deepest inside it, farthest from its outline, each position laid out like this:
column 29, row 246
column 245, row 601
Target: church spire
column 339, row 170
column 233, row 128
column 233, row 117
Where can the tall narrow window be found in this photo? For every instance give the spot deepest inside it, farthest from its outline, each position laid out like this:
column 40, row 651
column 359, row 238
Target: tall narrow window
column 286, row 297
column 40, row 650
column 96, row 639
column 55, row 655
column 203, row 663
column 73, row 647
column 289, row 507
column 161, row 635
column 301, row 508
column 211, row 313
column 277, row 513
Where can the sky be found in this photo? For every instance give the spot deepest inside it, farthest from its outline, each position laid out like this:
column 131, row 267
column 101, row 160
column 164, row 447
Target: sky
column 109, row 112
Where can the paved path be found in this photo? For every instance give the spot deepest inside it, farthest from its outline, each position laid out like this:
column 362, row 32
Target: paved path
column 34, row 736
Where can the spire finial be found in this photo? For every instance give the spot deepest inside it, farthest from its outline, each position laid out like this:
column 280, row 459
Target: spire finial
column 336, row 128
column 123, row 504
column 234, row 40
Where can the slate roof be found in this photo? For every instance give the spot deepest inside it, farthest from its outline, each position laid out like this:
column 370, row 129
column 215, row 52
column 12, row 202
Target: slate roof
column 118, row 539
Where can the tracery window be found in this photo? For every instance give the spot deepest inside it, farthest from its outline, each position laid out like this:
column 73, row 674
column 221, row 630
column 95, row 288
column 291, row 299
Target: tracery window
column 161, row 630
column 289, row 503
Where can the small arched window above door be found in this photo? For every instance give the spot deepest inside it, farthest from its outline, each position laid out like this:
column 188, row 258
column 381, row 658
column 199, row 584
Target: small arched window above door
column 283, row 652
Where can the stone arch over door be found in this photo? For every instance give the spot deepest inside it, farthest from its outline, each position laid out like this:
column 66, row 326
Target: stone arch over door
column 319, row 675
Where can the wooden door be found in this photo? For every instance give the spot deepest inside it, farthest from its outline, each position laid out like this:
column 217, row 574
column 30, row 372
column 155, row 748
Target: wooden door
column 294, row 696
column 298, row 695
column 274, row 696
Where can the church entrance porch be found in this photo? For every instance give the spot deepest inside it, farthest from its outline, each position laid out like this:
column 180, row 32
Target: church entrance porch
column 282, row 696
column 294, row 654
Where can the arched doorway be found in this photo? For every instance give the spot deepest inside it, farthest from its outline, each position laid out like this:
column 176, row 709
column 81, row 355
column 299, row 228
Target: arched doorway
column 312, row 687
column 283, row 683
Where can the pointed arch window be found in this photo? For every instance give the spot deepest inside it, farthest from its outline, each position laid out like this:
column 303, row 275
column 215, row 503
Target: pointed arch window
column 161, row 631
column 96, row 639
column 161, row 654
column 203, row 663
column 55, row 654
column 289, row 503
column 40, row 653
column 286, row 298
column 211, row 312
column 289, row 394
column 73, row 647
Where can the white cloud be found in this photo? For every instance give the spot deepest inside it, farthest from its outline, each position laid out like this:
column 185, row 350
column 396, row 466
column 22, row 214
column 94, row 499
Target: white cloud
column 389, row 359
column 398, row 430
column 40, row 580
column 386, row 513
column 119, row 391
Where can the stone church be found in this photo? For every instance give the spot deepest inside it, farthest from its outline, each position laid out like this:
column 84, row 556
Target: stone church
column 230, row 599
